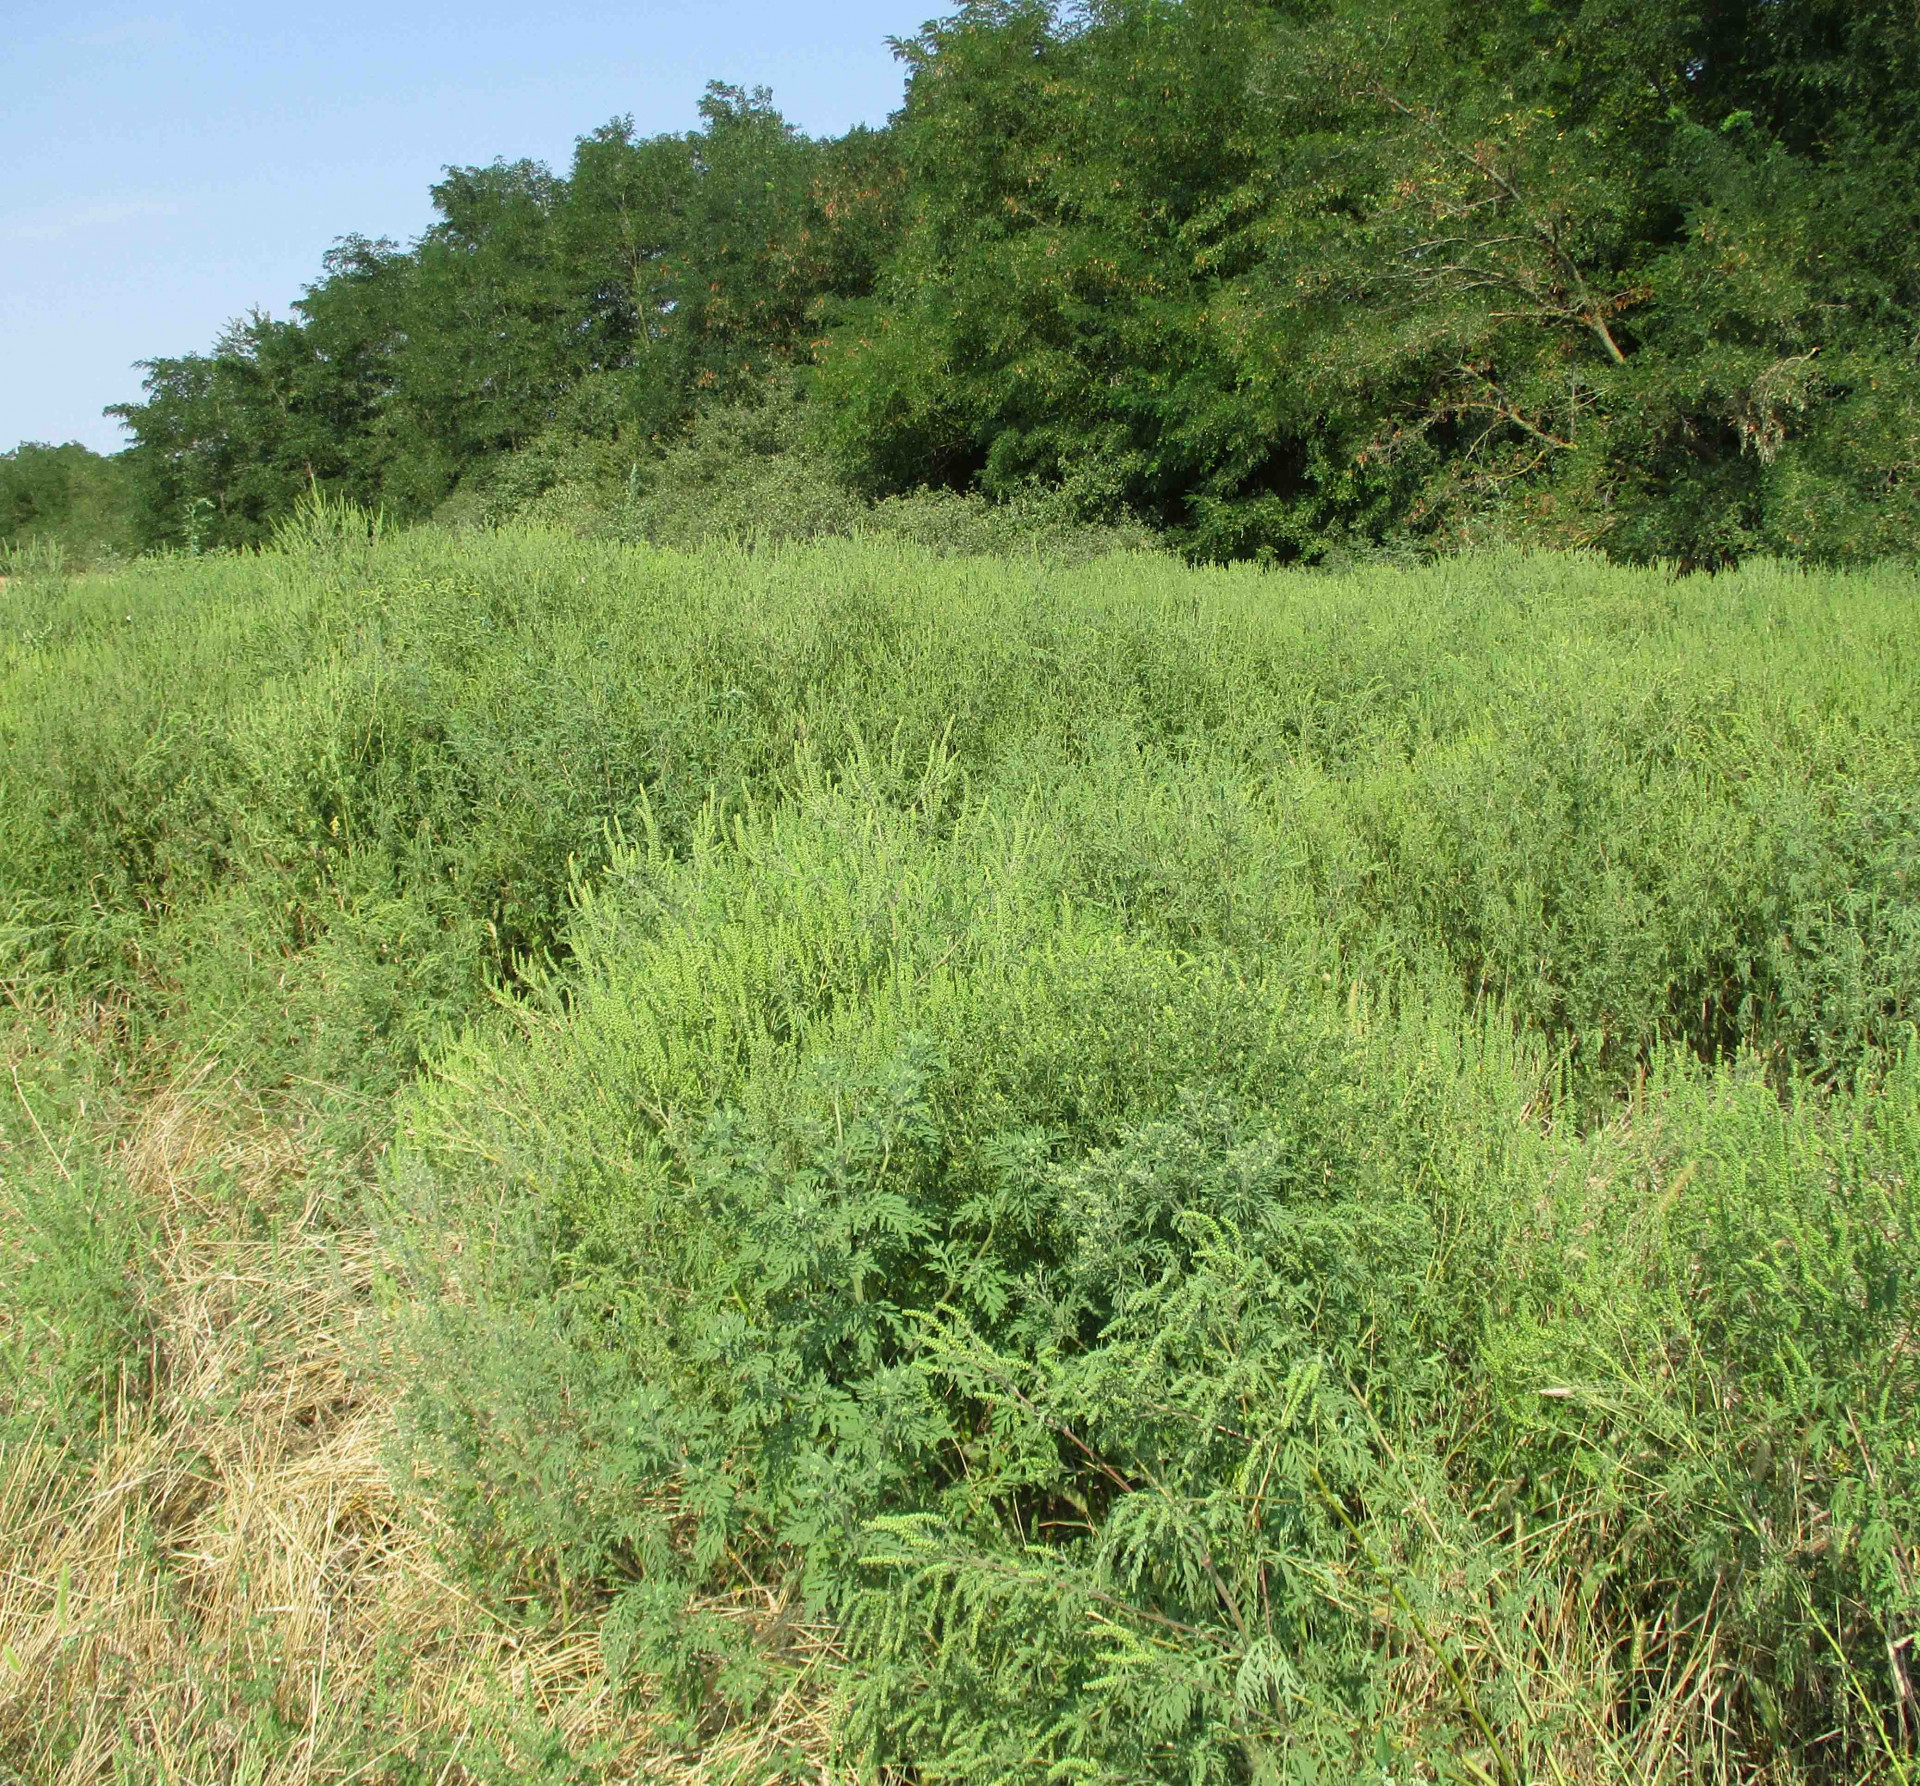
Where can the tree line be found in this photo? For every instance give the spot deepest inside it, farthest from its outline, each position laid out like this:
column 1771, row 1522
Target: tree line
column 1279, row 280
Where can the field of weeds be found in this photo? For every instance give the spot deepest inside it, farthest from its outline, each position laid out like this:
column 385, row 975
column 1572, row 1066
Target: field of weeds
column 833, row 1163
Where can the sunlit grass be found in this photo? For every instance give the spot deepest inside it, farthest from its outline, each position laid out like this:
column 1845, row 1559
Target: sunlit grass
column 626, row 1161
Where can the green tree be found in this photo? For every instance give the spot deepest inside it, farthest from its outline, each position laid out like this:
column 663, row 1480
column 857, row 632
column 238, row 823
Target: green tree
column 1283, row 275
column 1278, row 276
column 224, row 442
column 77, row 499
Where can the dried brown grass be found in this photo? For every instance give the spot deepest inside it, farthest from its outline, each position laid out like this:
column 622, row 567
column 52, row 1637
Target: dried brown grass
column 226, row 1588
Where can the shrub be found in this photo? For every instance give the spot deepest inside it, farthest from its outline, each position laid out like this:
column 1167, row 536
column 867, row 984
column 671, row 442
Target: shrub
column 1238, row 1176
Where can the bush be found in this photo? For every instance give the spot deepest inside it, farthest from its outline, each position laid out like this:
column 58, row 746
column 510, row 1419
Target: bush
column 1239, row 1176
column 751, row 474
column 1162, row 1368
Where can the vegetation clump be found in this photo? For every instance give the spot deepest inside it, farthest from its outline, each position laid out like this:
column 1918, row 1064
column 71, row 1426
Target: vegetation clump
column 848, row 1157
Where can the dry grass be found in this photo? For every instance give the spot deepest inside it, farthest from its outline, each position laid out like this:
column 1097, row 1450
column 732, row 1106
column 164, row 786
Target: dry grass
column 226, row 1589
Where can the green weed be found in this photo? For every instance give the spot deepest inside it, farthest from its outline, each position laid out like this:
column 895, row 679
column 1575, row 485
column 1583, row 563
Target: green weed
column 1222, row 1176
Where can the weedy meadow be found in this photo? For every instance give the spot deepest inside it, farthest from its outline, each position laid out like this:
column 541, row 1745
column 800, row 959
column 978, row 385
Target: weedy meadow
column 830, row 1162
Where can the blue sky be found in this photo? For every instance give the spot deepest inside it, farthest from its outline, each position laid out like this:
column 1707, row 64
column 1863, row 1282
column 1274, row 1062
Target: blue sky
column 168, row 169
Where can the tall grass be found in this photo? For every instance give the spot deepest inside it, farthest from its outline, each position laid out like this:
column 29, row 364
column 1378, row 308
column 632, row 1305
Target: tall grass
column 1223, row 1176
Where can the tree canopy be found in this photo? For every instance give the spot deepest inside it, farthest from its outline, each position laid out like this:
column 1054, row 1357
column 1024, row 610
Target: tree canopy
column 1279, row 277
column 76, row 499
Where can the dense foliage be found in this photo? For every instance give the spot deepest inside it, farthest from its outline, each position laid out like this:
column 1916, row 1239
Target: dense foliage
column 66, row 501
column 1617, row 274
column 1281, row 278
column 575, row 317
column 1229, row 1176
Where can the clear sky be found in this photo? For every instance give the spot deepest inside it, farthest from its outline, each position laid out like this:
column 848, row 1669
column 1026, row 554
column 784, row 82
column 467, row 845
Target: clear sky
column 168, row 169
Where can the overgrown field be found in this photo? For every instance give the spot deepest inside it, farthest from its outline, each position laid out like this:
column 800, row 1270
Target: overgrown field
column 834, row 1163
